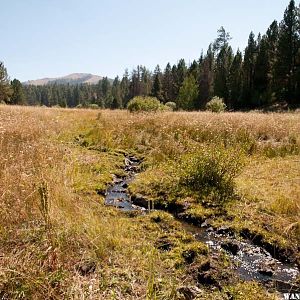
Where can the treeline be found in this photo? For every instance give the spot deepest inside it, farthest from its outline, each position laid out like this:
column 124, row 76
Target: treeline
column 266, row 72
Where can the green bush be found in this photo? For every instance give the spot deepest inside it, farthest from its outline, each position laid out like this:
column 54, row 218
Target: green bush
column 172, row 105
column 93, row 106
column 216, row 104
column 210, row 173
column 147, row 104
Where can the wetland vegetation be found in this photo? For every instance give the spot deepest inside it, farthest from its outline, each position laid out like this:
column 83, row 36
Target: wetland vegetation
column 60, row 240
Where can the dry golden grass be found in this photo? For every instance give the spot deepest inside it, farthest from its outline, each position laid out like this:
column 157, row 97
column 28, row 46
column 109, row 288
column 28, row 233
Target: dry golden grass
column 52, row 219
column 169, row 135
column 272, row 186
column 270, row 180
column 269, row 184
column 32, row 158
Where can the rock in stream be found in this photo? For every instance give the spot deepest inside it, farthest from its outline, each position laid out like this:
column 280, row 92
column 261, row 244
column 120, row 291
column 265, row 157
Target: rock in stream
column 117, row 194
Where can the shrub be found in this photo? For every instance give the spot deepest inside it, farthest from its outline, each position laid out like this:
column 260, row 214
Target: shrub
column 147, row 104
column 93, row 106
column 211, row 174
column 216, row 104
column 172, row 105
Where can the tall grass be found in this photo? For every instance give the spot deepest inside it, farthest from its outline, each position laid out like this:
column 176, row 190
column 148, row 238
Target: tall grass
column 52, row 219
column 167, row 135
column 210, row 172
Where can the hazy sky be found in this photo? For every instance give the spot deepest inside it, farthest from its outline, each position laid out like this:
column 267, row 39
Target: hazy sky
column 49, row 38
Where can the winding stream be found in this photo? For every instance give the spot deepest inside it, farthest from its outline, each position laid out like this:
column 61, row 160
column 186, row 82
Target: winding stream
column 250, row 262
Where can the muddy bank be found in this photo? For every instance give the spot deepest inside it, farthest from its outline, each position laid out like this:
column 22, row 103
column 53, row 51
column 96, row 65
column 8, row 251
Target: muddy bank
column 251, row 257
column 181, row 212
column 250, row 262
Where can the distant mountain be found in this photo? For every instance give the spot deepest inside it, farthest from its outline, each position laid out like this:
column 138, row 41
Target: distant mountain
column 75, row 78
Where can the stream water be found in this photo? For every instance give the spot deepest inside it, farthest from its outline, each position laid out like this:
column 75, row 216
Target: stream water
column 250, row 262
column 117, row 194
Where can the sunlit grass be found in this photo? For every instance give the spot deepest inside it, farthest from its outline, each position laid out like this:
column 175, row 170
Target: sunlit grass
column 54, row 161
column 273, row 187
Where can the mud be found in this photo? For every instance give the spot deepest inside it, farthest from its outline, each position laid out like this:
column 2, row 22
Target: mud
column 249, row 261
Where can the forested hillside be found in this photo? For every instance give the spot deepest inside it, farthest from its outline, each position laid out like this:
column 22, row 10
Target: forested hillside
column 265, row 73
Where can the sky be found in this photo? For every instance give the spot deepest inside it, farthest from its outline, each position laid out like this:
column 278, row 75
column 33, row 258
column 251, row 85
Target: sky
column 51, row 38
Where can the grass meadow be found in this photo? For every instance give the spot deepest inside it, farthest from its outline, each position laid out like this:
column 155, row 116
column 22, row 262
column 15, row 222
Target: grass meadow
column 59, row 241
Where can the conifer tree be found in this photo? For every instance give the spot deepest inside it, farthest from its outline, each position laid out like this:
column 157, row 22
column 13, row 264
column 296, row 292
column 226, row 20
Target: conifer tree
column 17, row 96
column 116, row 94
column 194, row 69
column 261, row 95
column 146, row 81
column 134, row 87
column 205, row 81
column 222, row 40
column 5, row 89
column 235, row 81
column 106, row 92
column 248, row 70
column 168, row 85
column 285, row 69
column 271, row 39
column 179, row 74
column 188, row 93
column 157, row 84
column 297, row 75
column 125, row 85
column 221, row 73
column 224, row 57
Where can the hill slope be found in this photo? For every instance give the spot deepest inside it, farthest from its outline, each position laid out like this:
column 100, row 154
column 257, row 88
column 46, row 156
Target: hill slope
column 75, row 78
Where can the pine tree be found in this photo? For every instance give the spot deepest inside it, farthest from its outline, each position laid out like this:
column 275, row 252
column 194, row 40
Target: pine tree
column 44, row 97
column 179, row 74
column 297, row 85
column 125, row 88
column 146, row 81
column 224, row 57
column 168, row 84
column 261, row 95
column 194, row 69
column 17, row 96
column 221, row 73
column 235, row 81
column 135, row 86
column 175, row 87
column 116, row 94
column 157, row 84
column 248, row 70
column 106, row 92
column 188, row 94
column 271, row 39
column 222, row 40
column 285, row 69
column 205, row 81
column 5, row 89
column 62, row 95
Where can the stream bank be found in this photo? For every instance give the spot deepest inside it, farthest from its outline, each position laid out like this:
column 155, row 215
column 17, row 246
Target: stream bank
column 250, row 262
